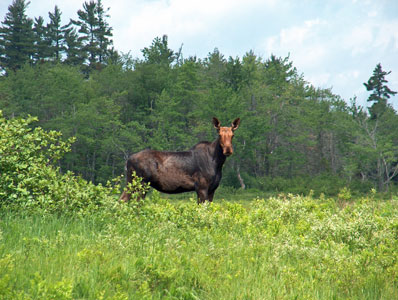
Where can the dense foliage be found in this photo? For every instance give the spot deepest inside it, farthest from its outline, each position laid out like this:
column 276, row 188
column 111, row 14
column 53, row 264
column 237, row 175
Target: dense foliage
column 30, row 181
column 293, row 136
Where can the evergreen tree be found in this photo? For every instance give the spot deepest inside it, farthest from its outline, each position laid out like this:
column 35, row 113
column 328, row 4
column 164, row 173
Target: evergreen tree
column 380, row 92
column 280, row 72
column 87, row 24
column 250, row 69
column 103, row 33
column 41, row 43
column 154, row 72
column 233, row 75
column 159, row 52
column 73, row 46
column 55, row 35
column 215, row 64
column 95, row 32
column 379, row 138
column 16, row 37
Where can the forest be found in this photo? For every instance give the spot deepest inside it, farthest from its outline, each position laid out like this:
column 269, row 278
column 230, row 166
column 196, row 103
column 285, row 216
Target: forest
column 293, row 136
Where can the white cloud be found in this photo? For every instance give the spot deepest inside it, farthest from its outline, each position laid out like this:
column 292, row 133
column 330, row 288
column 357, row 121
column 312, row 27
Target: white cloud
column 358, row 40
column 303, row 42
column 346, row 76
column 340, row 51
column 179, row 19
column 321, row 80
column 41, row 8
column 377, row 34
column 387, row 35
column 299, row 35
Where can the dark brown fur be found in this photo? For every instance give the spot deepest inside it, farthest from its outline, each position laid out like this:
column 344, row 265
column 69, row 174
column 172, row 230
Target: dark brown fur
column 198, row 169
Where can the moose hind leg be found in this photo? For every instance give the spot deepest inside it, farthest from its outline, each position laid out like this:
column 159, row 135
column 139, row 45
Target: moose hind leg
column 126, row 195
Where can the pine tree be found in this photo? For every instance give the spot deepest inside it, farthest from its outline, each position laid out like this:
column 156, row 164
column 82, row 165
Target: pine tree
column 16, row 37
column 233, row 75
column 159, row 52
column 103, row 33
column 55, row 34
column 95, row 32
column 380, row 92
column 380, row 128
column 73, row 46
column 41, row 43
column 87, row 24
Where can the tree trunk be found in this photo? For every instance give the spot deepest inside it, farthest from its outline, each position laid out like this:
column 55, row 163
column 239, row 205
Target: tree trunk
column 242, row 183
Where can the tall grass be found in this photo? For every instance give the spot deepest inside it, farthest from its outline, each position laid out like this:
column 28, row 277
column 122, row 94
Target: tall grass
column 286, row 247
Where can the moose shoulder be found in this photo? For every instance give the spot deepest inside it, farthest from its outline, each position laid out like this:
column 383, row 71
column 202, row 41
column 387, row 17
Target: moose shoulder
column 198, row 169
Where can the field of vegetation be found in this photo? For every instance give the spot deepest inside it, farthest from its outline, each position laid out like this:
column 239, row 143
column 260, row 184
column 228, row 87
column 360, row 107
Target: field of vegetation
column 284, row 247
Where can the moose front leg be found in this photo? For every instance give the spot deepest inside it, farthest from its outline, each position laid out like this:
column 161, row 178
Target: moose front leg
column 211, row 195
column 125, row 197
column 201, row 189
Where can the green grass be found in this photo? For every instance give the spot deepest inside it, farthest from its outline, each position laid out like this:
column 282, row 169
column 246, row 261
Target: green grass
column 285, row 247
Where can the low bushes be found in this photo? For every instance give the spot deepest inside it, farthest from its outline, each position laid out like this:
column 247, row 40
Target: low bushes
column 30, row 180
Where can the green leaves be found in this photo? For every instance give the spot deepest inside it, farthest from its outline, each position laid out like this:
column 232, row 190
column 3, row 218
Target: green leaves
column 29, row 180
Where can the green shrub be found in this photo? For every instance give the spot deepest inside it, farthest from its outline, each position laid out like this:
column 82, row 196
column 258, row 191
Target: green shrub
column 29, row 180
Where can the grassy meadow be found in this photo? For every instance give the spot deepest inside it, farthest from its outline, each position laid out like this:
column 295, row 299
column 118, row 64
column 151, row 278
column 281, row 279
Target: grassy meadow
column 281, row 247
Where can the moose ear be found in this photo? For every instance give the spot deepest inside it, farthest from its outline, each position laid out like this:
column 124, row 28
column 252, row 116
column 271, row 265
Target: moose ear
column 216, row 123
column 235, row 124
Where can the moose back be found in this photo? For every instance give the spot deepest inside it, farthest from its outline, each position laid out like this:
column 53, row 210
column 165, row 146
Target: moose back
column 197, row 169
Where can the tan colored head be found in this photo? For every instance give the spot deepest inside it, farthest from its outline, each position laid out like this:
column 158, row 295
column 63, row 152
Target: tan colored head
column 226, row 134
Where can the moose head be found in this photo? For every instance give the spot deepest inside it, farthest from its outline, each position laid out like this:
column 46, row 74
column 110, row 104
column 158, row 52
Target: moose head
column 226, row 135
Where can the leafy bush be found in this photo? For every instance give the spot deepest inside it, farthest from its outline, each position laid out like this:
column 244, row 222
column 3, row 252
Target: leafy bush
column 29, row 179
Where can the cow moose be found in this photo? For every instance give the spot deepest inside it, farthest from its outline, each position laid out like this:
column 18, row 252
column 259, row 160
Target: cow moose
column 197, row 169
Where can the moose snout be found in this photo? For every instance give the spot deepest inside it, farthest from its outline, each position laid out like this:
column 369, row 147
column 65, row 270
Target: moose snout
column 228, row 151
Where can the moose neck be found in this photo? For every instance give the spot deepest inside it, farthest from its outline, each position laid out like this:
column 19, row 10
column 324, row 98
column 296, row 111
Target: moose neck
column 218, row 154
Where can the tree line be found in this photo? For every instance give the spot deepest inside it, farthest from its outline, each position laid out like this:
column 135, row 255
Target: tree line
column 84, row 42
column 293, row 136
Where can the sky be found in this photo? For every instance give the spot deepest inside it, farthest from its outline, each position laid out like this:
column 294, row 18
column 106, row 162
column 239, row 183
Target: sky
column 335, row 43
